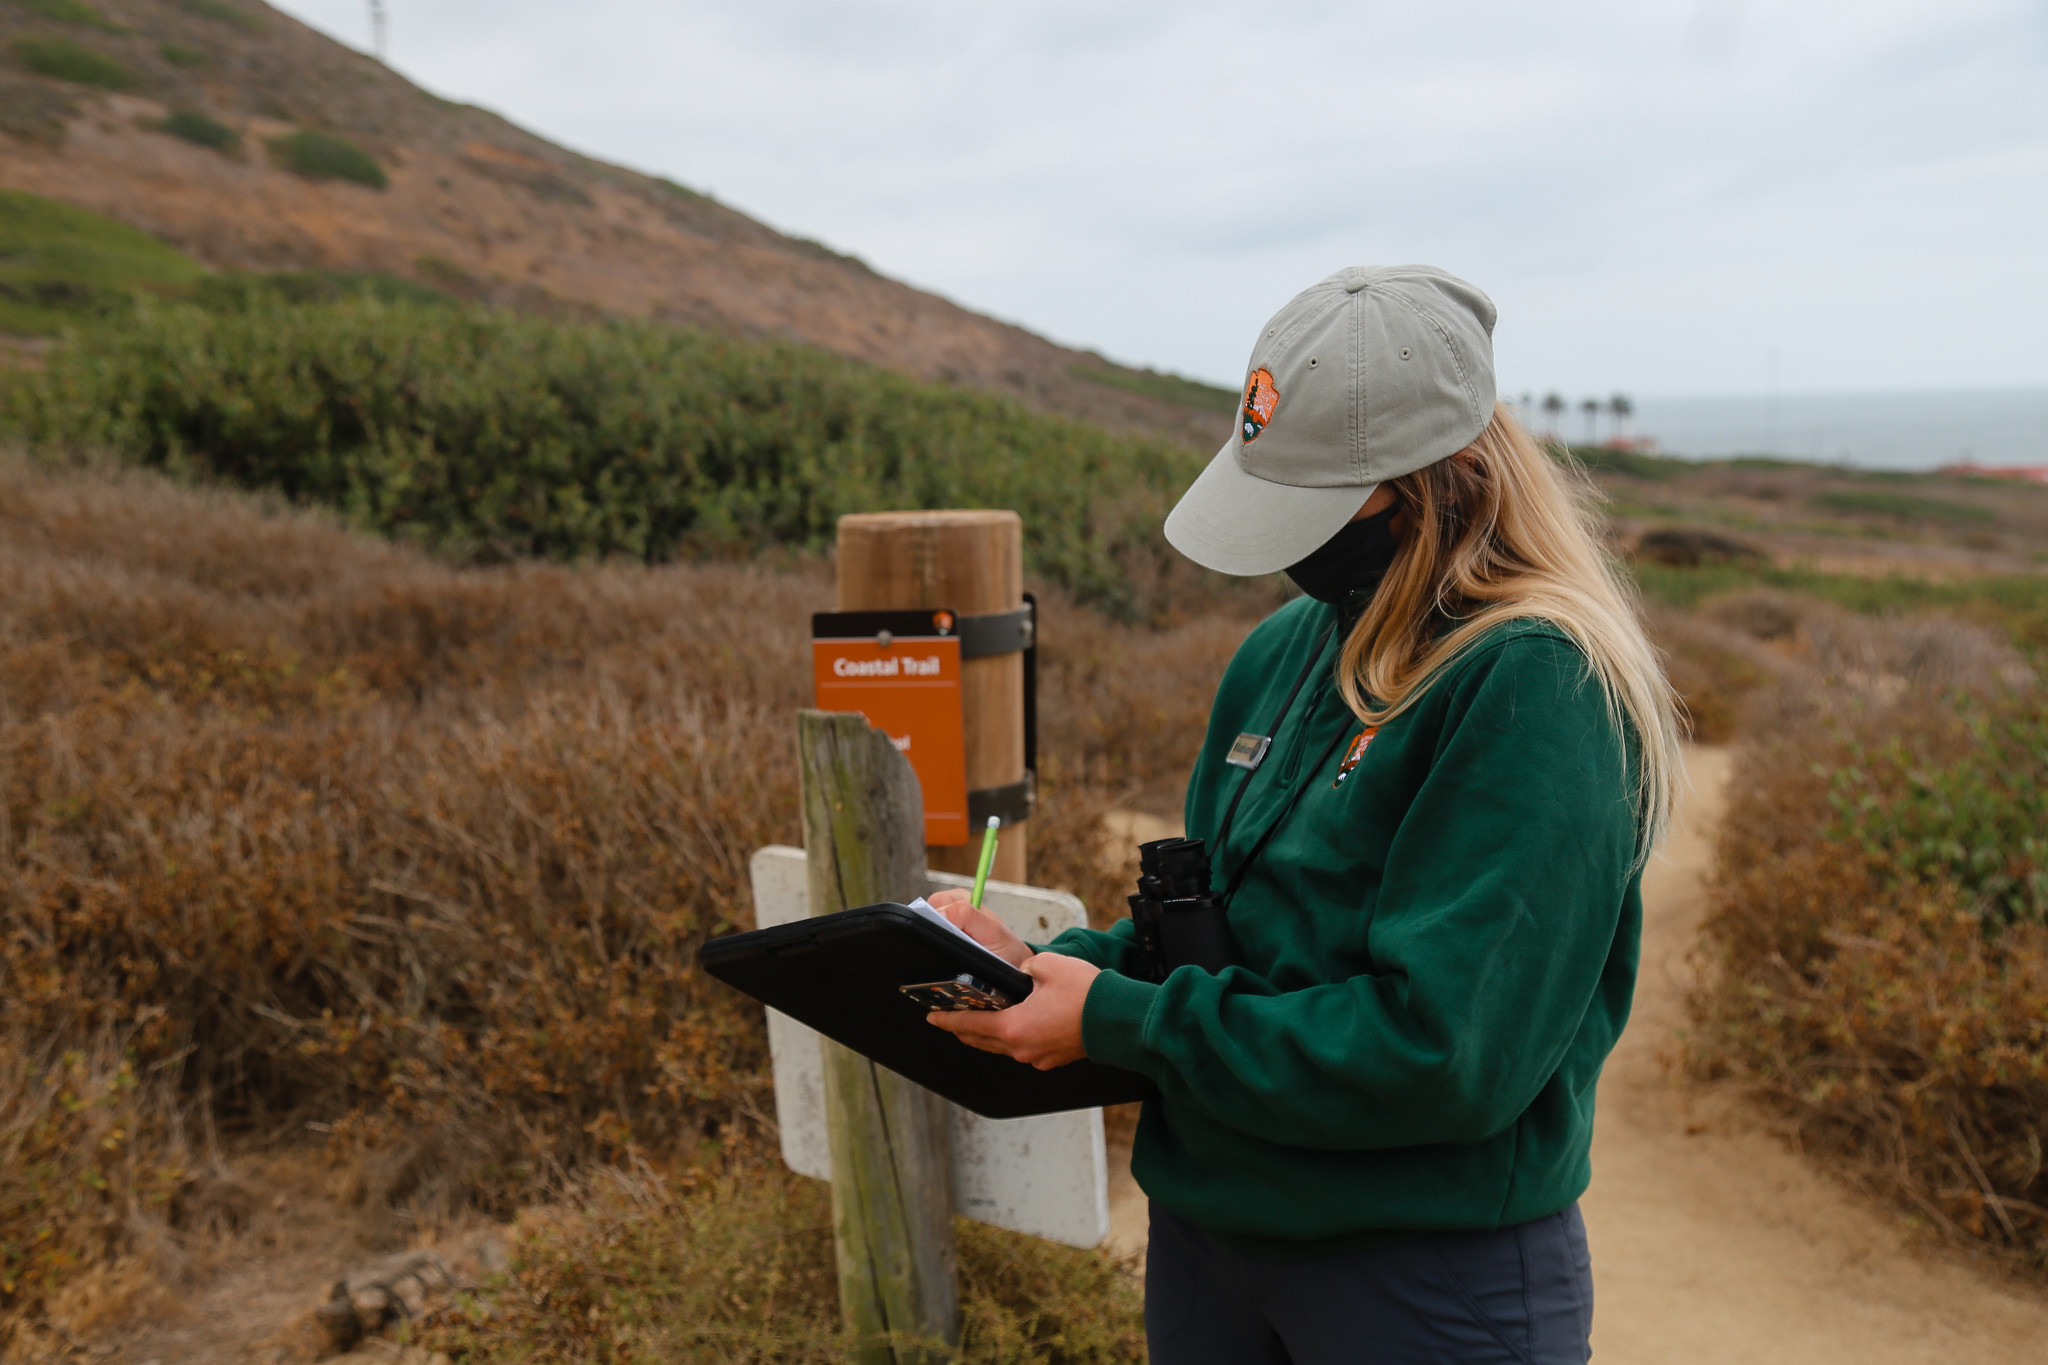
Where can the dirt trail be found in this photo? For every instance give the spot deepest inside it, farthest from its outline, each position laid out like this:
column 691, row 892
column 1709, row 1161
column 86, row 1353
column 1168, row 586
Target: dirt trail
column 1711, row 1241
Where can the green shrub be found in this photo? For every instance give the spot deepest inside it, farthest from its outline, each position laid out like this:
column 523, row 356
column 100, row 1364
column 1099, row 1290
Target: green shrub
column 324, row 156
column 1634, row 463
column 1167, row 388
column 194, row 126
column 238, row 290
column 1975, row 818
column 2016, row 604
column 1904, row 506
column 69, row 61
column 448, row 278
column 36, row 113
column 683, row 191
column 225, row 13
column 59, row 263
column 177, row 54
column 497, row 436
column 1776, row 463
column 71, row 12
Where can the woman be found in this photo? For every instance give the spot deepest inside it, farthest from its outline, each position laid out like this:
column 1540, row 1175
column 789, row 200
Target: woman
column 1428, row 789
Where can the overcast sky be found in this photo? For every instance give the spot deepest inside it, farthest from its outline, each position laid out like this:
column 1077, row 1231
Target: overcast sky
column 1659, row 194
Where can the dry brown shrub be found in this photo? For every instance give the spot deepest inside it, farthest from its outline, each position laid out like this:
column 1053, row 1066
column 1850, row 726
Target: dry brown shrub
column 1130, row 706
column 1124, row 710
column 1863, row 976
column 738, row 1267
column 1764, row 659
column 92, row 1162
column 325, row 833
column 1714, row 668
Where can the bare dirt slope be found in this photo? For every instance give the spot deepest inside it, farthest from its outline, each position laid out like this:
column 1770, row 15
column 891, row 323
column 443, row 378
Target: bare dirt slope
column 252, row 1296
column 1712, row 1243
column 475, row 205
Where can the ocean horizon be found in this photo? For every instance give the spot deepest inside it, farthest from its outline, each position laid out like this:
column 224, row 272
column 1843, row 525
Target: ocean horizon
column 1895, row 430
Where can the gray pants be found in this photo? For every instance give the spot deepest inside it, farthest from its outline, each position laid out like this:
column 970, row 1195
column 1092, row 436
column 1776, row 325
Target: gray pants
column 1519, row 1295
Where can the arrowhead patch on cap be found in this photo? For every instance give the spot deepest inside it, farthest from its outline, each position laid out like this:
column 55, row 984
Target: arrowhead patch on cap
column 1260, row 398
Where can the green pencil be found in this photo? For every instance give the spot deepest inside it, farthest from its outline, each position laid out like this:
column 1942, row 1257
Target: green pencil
column 988, row 860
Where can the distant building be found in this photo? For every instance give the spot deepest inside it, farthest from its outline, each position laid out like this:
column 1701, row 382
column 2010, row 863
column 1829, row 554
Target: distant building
column 2032, row 473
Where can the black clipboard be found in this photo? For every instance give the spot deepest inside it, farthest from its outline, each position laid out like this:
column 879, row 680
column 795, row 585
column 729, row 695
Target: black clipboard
column 840, row 974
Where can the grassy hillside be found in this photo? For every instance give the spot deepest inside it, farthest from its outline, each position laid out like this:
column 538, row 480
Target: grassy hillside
column 1167, row 388
column 249, row 141
column 62, row 266
column 59, row 264
column 1940, row 526
column 488, row 435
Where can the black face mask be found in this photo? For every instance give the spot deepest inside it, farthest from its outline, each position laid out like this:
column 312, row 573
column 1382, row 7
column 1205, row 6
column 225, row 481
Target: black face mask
column 1355, row 558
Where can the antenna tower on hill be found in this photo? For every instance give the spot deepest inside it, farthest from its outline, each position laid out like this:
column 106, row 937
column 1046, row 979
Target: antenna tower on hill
column 377, row 29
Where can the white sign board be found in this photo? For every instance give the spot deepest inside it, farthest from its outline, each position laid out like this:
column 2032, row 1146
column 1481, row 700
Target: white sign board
column 1047, row 1175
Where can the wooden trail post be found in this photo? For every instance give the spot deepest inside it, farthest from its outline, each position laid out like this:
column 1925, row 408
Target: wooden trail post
column 973, row 563
column 892, row 1206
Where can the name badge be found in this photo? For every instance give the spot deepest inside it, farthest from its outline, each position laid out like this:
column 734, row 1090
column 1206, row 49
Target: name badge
column 1249, row 751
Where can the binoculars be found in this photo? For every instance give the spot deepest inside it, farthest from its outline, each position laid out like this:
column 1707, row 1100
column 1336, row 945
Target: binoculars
column 1180, row 923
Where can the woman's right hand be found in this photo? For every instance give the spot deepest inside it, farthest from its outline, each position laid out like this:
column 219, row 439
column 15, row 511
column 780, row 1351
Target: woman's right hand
column 980, row 925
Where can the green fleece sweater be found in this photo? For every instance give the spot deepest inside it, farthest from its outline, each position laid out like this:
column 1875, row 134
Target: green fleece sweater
column 1438, row 950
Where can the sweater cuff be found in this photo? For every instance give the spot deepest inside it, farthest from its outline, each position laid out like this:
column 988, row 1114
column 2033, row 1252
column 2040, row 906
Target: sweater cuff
column 1071, row 943
column 1113, row 1021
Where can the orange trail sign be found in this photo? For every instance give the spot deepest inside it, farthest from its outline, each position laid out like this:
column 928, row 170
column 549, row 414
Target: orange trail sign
column 901, row 669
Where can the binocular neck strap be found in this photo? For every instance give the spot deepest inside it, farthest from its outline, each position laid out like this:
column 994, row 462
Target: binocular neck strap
column 1230, row 812
column 1308, row 777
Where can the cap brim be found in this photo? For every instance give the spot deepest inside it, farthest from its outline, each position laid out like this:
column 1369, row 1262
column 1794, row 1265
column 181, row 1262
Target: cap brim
column 1235, row 523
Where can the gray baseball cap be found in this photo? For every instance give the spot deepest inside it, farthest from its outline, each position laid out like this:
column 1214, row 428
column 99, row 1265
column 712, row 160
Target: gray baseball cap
column 1371, row 374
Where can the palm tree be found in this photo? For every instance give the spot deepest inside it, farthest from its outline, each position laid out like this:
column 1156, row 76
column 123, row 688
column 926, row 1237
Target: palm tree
column 1623, row 408
column 1591, row 407
column 1553, row 411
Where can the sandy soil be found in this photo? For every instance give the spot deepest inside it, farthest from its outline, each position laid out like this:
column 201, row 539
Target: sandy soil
column 1712, row 1242
column 249, row 1297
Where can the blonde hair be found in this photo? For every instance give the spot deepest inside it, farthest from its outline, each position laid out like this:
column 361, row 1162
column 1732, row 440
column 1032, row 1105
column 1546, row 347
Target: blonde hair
column 1495, row 534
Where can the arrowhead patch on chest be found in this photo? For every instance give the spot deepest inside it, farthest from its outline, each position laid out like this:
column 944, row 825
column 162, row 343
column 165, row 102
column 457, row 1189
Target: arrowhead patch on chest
column 1353, row 754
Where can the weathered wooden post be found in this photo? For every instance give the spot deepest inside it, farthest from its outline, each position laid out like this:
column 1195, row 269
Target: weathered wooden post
column 892, row 1207
column 970, row 561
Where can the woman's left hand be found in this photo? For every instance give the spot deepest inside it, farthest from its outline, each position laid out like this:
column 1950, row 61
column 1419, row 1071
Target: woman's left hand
column 1045, row 1029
